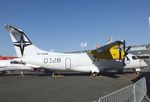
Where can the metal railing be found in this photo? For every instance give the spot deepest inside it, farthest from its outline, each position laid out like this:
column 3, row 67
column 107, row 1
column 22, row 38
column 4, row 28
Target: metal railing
column 140, row 90
column 131, row 93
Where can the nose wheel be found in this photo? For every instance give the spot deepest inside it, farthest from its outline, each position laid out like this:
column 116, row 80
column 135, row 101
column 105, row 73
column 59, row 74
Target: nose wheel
column 137, row 70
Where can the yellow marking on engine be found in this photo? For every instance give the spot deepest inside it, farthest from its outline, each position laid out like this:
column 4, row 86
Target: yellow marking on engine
column 112, row 54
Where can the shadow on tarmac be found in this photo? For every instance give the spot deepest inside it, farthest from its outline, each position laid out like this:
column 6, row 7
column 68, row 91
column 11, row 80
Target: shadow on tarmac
column 69, row 73
column 107, row 74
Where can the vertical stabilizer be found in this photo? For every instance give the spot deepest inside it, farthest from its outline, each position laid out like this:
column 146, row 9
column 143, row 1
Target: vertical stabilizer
column 22, row 44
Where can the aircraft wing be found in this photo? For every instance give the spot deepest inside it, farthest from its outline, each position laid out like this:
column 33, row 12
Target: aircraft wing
column 7, row 65
column 14, row 67
column 110, row 51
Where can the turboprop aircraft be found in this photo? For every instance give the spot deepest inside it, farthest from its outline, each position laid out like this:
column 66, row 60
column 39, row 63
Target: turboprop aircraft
column 132, row 62
column 93, row 61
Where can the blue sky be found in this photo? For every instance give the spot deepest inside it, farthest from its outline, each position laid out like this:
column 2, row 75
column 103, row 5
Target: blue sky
column 63, row 24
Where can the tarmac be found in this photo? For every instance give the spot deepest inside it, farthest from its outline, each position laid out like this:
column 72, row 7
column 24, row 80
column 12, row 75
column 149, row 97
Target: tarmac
column 67, row 88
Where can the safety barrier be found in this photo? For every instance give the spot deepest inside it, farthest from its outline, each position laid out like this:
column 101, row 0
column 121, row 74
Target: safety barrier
column 131, row 93
column 140, row 90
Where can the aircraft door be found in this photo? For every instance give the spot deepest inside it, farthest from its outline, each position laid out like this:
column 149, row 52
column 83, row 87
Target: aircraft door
column 68, row 63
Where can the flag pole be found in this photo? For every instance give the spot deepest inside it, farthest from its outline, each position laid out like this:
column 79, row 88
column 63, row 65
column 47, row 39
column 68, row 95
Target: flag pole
column 149, row 22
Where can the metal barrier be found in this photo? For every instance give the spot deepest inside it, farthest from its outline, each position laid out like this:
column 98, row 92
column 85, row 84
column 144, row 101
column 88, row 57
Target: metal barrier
column 140, row 90
column 131, row 93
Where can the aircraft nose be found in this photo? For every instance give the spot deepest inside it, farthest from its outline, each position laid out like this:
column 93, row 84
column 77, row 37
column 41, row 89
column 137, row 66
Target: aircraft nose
column 143, row 63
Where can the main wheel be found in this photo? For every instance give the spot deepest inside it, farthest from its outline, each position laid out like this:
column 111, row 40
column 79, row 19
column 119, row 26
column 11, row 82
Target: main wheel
column 94, row 74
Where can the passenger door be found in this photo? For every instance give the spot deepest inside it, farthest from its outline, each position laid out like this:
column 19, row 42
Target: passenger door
column 68, row 63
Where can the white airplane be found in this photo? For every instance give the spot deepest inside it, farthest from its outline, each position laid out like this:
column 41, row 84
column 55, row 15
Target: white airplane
column 108, row 56
column 7, row 65
column 132, row 62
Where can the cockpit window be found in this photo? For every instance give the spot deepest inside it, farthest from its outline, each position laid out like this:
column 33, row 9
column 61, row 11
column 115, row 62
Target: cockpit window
column 134, row 58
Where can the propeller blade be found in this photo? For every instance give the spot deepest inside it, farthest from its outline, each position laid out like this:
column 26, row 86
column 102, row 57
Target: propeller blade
column 124, row 45
column 120, row 55
column 120, row 50
column 126, row 52
column 127, row 58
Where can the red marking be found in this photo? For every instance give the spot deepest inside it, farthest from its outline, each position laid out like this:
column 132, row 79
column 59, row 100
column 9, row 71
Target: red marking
column 6, row 57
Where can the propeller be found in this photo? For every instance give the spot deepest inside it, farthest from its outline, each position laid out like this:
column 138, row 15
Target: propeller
column 125, row 52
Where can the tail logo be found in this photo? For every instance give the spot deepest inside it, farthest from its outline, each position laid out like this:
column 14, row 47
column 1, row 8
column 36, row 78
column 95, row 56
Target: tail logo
column 22, row 44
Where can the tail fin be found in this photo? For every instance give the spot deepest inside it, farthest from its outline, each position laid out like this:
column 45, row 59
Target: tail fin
column 22, row 44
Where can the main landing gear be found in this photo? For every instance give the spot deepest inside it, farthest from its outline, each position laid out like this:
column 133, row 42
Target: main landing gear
column 94, row 74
